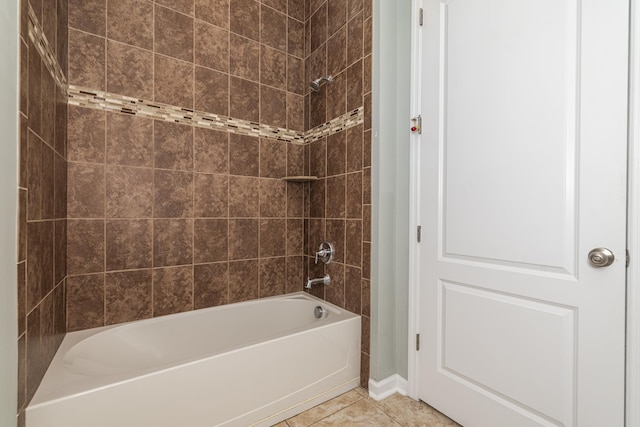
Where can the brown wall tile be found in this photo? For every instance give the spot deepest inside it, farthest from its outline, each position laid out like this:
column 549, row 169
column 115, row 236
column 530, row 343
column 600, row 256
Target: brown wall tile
column 173, row 146
column 354, row 34
column 129, row 192
column 273, row 198
column 354, row 195
column 87, row 64
column 59, row 250
column 244, row 57
column 88, row 16
column 34, row 100
column 182, row 6
column 273, row 67
column 295, row 274
column 319, row 27
column 273, row 158
column 211, row 284
column 295, row 237
column 39, row 261
column 296, row 9
column 336, row 235
column 85, row 246
column 273, row 234
column 355, row 6
column 128, row 244
column 279, row 5
column 273, row 106
column 244, row 99
column 243, row 239
column 86, row 135
column 337, row 45
column 273, row 28
column 295, row 105
column 127, row 296
column 317, row 199
column 173, row 81
column 85, row 196
column 272, row 276
column 173, row 34
column 337, row 15
column 245, row 18
column 243, row 197
column 336, row 96
column 129, row 70
column 131, row 22
column 211, row 196
column 336, row 188
column 335, row 291
column 172, row 290
column 211, row 240
column 172, row 242
column 85, row 302
column 354, row 86
column 336, row 153
column 211, row 47
column 295, row 38
column 129, row 140
column 215, row 12
column 295, row 76
column 211, row 151
column 243, row 153
column 211, row 91
column 172, row 194
column 243, row 280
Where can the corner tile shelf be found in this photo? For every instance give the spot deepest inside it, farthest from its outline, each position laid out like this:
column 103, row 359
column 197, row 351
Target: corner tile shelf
column 300, row 178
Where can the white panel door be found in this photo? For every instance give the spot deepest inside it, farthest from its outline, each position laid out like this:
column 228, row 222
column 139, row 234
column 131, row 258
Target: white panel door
column 523, row 173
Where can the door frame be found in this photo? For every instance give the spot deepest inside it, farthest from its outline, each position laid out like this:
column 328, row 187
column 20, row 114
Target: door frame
column 632, row 391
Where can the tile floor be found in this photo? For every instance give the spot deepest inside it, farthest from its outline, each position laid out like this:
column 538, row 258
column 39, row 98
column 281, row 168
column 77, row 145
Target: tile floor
column 356, row 408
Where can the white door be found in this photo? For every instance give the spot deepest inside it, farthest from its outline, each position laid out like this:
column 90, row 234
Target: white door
column 523, row 173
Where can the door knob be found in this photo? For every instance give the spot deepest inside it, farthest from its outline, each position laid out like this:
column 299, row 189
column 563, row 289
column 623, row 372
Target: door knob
column 601, row 257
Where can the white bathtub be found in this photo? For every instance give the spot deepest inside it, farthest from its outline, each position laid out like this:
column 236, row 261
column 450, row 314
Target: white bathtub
column 253, row 363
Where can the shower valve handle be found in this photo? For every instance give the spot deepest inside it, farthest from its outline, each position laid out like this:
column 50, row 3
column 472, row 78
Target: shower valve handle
column 325, row 252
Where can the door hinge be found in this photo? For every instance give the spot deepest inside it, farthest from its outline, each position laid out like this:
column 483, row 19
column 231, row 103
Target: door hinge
column 417, row 342
column 627, row 258
column 419, row 233
column 421, row 17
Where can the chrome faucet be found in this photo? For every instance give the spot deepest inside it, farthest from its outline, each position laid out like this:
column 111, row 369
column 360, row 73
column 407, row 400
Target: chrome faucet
column 324, row 280
column 325, row 252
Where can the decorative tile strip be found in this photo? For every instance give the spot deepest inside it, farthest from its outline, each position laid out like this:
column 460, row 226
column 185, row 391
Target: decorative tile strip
column 39, row 40
column 99, row 100
column 340, row 123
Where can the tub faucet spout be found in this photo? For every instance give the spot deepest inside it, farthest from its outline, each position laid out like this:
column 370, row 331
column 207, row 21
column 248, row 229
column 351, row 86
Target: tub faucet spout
column 324, row 280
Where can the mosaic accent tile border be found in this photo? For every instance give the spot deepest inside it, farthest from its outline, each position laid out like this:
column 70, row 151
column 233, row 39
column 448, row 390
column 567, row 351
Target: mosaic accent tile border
column 39, row 40
column 100, row 100
column 340, row 123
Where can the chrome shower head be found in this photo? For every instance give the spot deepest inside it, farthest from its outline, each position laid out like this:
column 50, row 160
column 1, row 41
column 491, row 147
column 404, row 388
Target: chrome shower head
column 315, row 85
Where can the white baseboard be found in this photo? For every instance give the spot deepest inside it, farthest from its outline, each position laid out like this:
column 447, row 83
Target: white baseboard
column 382, row 389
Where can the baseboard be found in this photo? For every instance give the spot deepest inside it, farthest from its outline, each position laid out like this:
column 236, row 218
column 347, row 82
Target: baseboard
column 382, row 389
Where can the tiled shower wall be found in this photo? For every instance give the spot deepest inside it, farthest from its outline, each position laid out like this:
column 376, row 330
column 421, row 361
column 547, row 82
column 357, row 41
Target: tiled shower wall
column 167, row 217
column 338, row 42
column 42, row 195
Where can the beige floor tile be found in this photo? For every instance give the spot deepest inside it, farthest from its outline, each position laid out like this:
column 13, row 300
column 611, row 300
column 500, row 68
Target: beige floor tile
column 410, row 413
column 325, row 409
column 362, row 413
column 282, row 424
